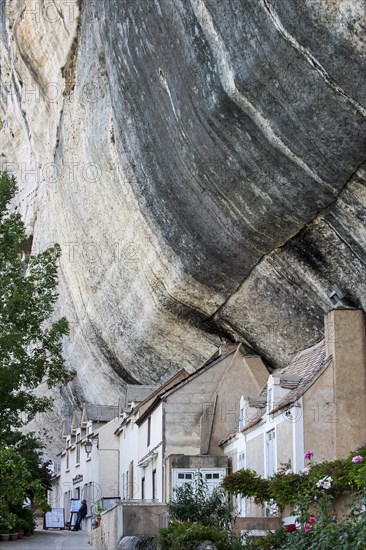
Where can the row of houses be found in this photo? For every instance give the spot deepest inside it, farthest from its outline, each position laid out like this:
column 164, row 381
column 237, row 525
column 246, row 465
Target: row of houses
column 229, row 414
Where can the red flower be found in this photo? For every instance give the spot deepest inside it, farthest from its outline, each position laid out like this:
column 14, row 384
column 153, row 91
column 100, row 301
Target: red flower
column 291, row 527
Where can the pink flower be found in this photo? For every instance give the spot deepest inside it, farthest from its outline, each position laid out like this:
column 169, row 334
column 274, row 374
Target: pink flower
column 291, row 527
column 307, row 527
column 308, row 454
column 315, row 498
column 357, row 458
column 312, row 519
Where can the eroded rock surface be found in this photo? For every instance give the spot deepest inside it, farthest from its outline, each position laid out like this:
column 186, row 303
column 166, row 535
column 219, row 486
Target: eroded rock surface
column 201, row 164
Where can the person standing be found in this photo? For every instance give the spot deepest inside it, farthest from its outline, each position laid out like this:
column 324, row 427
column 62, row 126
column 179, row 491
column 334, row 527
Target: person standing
column 81, row 514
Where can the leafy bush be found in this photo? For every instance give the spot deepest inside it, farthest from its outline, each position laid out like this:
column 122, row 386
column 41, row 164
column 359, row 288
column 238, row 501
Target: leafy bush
column 196, row 504
column 322, row 530
column 249, row 484
column 288, row 488
column 196, row 515
column 186, row 536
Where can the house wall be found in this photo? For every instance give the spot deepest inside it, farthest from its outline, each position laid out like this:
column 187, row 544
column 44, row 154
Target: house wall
column 242, row 375
column 214, row 393
column 255, row 454
column 335, row 405
column 156, row 462
column 184, row 409
column 108, row 459
column 345, row 338
column 284, row 443
column 128, row 448
column 320, row 416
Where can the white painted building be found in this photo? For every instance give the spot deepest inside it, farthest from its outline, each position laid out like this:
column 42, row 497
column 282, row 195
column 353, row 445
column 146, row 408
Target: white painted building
column 92, row 476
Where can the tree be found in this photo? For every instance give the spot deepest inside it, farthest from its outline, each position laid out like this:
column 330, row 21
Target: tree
column 30, row 345
column 16, row 483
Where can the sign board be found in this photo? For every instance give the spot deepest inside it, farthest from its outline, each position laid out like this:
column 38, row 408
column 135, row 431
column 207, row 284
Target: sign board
column 74, row 505
column 54, row 519
column 77, row 479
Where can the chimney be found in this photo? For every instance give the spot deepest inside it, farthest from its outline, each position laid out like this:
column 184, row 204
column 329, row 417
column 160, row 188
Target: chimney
column 345, row 342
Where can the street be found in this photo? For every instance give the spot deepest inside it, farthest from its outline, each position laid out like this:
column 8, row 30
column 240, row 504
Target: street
column 50, row 540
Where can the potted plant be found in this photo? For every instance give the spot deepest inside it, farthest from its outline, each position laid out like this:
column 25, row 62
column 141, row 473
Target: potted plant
column 21, row 525
column 4, row 530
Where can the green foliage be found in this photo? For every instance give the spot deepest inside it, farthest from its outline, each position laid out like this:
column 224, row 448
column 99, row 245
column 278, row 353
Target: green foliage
column 347, row 534
column 186, row 536
column 290, row 489
column 16, row 483
column 249, row 484
column 196, row 516
column 26, row 521
column 30, row 347
column 195, row 504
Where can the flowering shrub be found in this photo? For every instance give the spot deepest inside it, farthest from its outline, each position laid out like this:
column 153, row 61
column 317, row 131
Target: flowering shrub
column 311, row 493
column 325, row 483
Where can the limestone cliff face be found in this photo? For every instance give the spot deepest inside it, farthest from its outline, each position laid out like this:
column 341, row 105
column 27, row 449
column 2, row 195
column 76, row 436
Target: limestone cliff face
column 201, row 165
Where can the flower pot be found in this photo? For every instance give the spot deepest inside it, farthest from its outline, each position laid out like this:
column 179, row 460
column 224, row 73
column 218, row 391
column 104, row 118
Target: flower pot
column 4, row 537
column 20, row 534
column 13, row 536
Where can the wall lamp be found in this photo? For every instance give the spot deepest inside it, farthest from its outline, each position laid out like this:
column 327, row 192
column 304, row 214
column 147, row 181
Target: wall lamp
column 89, row 445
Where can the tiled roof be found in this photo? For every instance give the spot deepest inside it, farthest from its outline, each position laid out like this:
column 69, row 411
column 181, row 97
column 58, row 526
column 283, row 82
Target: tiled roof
column 255, row 420
column 100, row 413
column 227, row 437
column 306, row 365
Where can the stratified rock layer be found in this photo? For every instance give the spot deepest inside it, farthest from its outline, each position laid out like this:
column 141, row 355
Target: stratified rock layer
column 201, row 165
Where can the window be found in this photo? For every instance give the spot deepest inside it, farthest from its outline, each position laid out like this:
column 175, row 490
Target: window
column 148, row 430
column 210, row 477
column 241, row 461
column 154, row 486
column 143, row 488
column 78, row 448
column 271, row 452
column 181, row 476
column 187, row 476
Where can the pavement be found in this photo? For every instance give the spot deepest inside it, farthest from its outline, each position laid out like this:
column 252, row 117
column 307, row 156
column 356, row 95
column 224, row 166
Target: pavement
column 53, row 539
